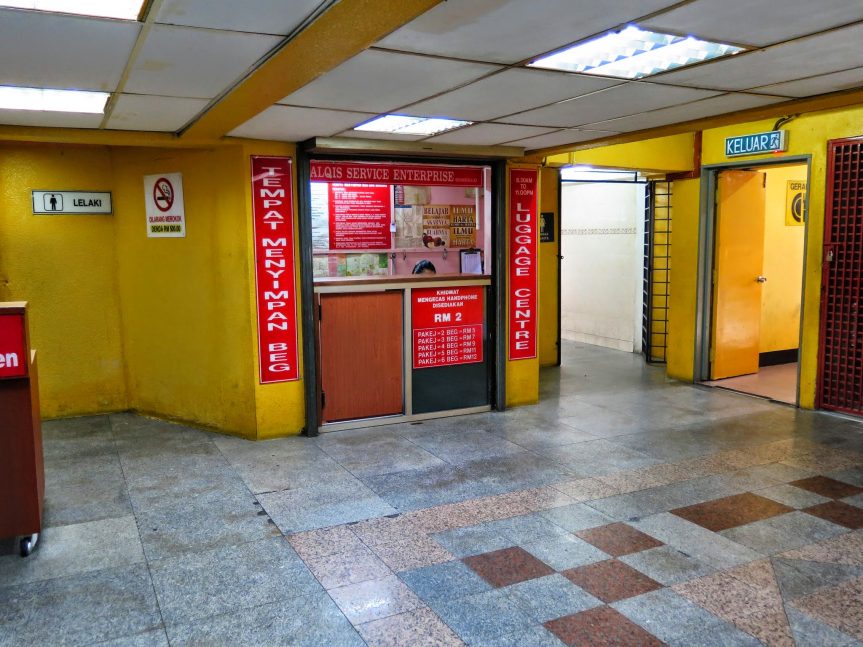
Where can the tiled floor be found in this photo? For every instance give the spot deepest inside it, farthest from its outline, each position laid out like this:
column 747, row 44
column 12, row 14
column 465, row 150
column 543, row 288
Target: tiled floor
column 775, row 382
column 625, row 509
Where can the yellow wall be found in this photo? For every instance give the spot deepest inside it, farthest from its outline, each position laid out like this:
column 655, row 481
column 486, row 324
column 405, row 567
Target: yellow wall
column 65, row 266
column 549, row 275
column 665, row 154
column 783, row 265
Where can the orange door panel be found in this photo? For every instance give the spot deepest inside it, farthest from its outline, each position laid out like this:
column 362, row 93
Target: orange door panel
column 738, row 262
column 361, row 358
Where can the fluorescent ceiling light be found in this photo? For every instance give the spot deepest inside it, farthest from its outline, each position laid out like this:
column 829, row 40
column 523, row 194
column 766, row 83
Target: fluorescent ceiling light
column 634, row 53
column 122, row 9
column 404, row 125
column 12, row 98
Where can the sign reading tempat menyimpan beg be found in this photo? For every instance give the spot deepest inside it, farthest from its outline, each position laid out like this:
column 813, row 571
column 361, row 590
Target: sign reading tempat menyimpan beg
column 13, row 346
column 163, row 198
column 775, row 141
column 65, row 203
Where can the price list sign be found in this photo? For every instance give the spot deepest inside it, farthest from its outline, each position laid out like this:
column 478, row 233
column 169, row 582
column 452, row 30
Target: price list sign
column 447, row 326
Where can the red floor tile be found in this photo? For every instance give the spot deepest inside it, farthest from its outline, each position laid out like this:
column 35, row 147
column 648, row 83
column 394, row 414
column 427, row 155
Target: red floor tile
column 611, row 580
column 600, row 627
column 618, row 539
column 731, row 511
column 507, row 566
column 838, row 512
column 825, row 486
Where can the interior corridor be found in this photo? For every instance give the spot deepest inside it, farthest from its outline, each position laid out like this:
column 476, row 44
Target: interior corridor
column 624, row 508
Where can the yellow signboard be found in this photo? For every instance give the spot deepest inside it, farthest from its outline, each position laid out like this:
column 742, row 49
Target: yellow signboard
column 795, row 203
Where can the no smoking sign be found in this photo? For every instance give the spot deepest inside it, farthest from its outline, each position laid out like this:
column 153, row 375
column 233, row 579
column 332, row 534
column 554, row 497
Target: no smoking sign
column 163, row 197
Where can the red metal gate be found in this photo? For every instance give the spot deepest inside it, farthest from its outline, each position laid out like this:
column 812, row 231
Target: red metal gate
column 840, row 374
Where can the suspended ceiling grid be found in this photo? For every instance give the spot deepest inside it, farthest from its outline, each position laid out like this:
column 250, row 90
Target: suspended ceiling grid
column 463, row 59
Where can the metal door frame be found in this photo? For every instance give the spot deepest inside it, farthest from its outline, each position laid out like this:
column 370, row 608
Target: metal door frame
column 707, row 249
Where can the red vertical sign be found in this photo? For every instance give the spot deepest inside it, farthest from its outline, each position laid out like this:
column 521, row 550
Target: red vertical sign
column 13, row 346
column 523, row 285
column 447, row 326
column 275, row 274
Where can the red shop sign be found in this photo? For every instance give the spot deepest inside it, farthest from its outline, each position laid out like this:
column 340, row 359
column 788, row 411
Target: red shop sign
column 360, row 216
column 386, row 173
column 13, row 346
column 275, row 274
column 523, row 236
column 447, row 326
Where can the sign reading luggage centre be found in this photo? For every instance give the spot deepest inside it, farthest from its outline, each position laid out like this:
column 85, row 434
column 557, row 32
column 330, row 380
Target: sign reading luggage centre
column 13, row 346
column 275, row 272
column 62, row 203
column 447, row 326
column 523, row 237
column 774, row 141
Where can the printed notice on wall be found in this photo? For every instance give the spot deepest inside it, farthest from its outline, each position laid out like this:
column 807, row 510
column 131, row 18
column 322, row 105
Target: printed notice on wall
column 275, row 273
column 523, row 236
column 359, row 216
column 436, row 225
column 463, row 226
column 447, row 326
column 163, row 200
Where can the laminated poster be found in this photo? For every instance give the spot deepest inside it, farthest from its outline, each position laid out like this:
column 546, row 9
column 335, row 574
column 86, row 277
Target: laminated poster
column 436, row 225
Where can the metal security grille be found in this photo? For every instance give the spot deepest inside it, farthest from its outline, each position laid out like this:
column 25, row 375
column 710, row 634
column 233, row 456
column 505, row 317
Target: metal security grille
column 657, row 248
column 840, row 375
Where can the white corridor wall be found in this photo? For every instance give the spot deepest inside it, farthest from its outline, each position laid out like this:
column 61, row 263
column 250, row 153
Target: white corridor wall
column 602, row 236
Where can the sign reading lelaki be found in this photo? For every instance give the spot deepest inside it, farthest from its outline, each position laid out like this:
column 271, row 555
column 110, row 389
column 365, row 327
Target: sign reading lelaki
column 774, row 141
column 359, row 216
column 61, row 203
column 523, row 236
column 388, row 173
column 275, row 273
column 163, row 198
column 447, row 326
column 13, row 346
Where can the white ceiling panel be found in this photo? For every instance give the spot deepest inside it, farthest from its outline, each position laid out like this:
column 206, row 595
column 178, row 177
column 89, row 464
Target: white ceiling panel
column 510, row 91
column 264, row 17
column 561, row 138
column 284, row 123
column 196, row 63
column 376, row 81
column 620, row 101
column 55, row 51
column 510, row 31
column 838, row 50
column 488, row 134
column 148, row 112
column 845, row 80
column 49, row 119
column 757, row 22
column 696, row 110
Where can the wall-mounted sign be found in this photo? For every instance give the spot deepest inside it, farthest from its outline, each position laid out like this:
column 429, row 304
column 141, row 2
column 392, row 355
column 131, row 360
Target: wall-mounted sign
column 13, row 346
column 795, row 204
column 546, row 227
column 523, row 237
column 359, row 216
column 388, row 173
column 774, row 141
column 275, row 273
column 71, row 202
column 447, row 326
column 163, row 200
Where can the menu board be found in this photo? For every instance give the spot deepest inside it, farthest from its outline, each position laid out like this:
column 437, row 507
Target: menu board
column 447, row 326
column 359, row 216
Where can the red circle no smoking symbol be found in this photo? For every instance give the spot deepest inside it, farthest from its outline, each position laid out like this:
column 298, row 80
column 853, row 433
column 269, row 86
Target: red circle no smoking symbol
column 163, row 194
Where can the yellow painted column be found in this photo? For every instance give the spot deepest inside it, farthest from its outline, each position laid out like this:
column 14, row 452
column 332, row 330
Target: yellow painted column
column 549, row 270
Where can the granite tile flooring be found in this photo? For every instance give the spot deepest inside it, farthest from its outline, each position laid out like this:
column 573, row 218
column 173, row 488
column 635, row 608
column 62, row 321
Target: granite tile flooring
column 624, row 509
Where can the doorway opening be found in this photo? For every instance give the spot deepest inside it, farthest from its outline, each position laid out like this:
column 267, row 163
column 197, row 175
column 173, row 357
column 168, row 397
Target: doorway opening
column 602, row 258
column 754, row 283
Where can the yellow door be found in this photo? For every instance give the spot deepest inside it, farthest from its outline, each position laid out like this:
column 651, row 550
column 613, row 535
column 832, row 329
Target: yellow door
column 738, row 261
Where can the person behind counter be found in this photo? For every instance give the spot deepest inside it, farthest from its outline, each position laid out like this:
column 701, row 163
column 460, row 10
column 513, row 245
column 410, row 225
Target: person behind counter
column 424, row 267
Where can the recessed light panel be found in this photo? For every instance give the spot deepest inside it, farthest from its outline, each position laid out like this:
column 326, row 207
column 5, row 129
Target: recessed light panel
column 633, row 53
column 12, row 98
column 122, row 9
column 404, row 125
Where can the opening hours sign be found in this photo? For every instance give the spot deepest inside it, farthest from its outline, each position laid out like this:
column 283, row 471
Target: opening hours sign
column 275, row 271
